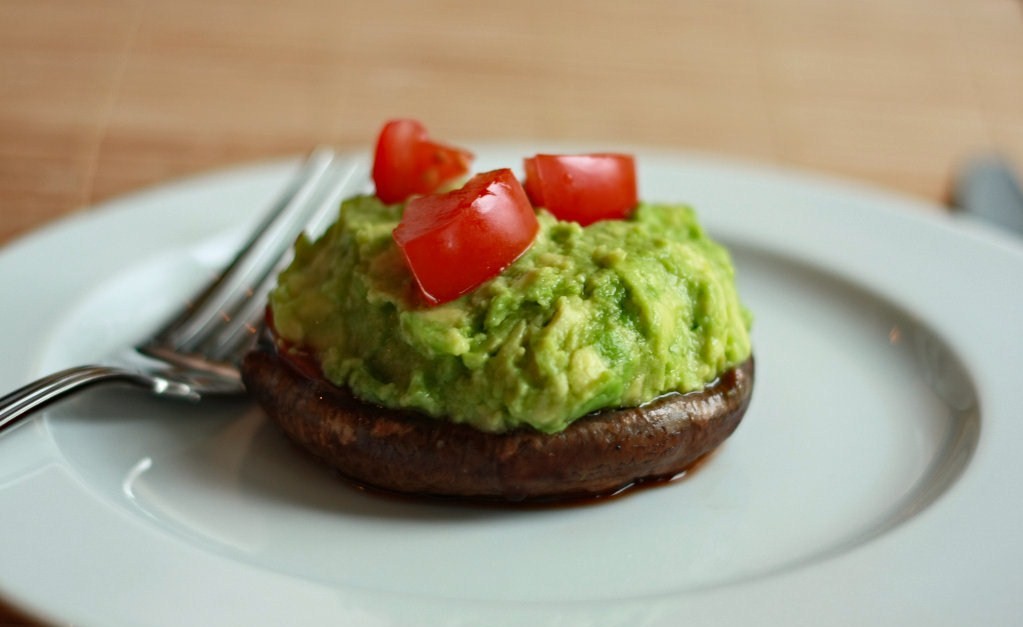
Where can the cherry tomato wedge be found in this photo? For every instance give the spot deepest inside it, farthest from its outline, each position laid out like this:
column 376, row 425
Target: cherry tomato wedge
column 408, row 162
column 453, row 242
column 583, row 188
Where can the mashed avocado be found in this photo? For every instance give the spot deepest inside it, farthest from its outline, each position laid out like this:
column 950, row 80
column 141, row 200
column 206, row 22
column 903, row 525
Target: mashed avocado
column 610, row 315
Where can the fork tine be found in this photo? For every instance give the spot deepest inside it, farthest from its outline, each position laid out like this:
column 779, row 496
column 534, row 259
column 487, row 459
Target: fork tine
column 178, row 370
column 269, row 241
column 241, row 319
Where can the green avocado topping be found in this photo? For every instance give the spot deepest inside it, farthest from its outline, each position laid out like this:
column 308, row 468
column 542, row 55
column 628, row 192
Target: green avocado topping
column 610, row 315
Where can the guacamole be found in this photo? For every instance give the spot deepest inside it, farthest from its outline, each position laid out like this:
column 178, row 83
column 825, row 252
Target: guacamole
column 610, row 315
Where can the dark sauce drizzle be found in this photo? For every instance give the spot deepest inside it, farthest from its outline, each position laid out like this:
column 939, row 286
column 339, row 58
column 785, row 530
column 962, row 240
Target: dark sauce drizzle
column 560, row 502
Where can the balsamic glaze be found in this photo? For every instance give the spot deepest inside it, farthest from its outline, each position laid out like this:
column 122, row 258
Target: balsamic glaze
column 546, row 503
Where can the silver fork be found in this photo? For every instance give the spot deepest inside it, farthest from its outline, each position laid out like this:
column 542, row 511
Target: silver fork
column 197, row 353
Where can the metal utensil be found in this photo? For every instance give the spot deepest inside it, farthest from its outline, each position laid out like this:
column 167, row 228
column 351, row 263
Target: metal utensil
column 987, row 188
column 197, row 353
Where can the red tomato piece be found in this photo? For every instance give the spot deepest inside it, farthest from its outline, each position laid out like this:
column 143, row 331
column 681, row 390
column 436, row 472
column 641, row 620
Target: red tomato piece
column 532, row 184
column 453, row 242
column 583, row 188
column 408, row 162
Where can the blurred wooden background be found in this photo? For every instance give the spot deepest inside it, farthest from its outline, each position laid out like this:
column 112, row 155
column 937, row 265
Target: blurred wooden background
column 101, row 97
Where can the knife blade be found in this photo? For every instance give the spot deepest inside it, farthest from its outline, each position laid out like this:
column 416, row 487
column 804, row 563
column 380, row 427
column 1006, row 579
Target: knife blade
column 987, row 188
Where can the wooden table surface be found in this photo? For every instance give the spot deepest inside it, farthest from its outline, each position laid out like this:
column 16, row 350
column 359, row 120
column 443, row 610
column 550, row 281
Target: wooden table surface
column 102, row 97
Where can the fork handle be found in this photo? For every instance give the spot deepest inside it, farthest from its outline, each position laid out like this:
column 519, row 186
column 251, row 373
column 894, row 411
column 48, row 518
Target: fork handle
column 21, row 402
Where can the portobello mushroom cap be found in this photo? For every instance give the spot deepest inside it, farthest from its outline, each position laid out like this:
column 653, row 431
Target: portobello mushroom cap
column 407, row 452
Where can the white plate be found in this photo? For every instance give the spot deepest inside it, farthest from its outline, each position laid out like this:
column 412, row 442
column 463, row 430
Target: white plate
column 875, row 479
